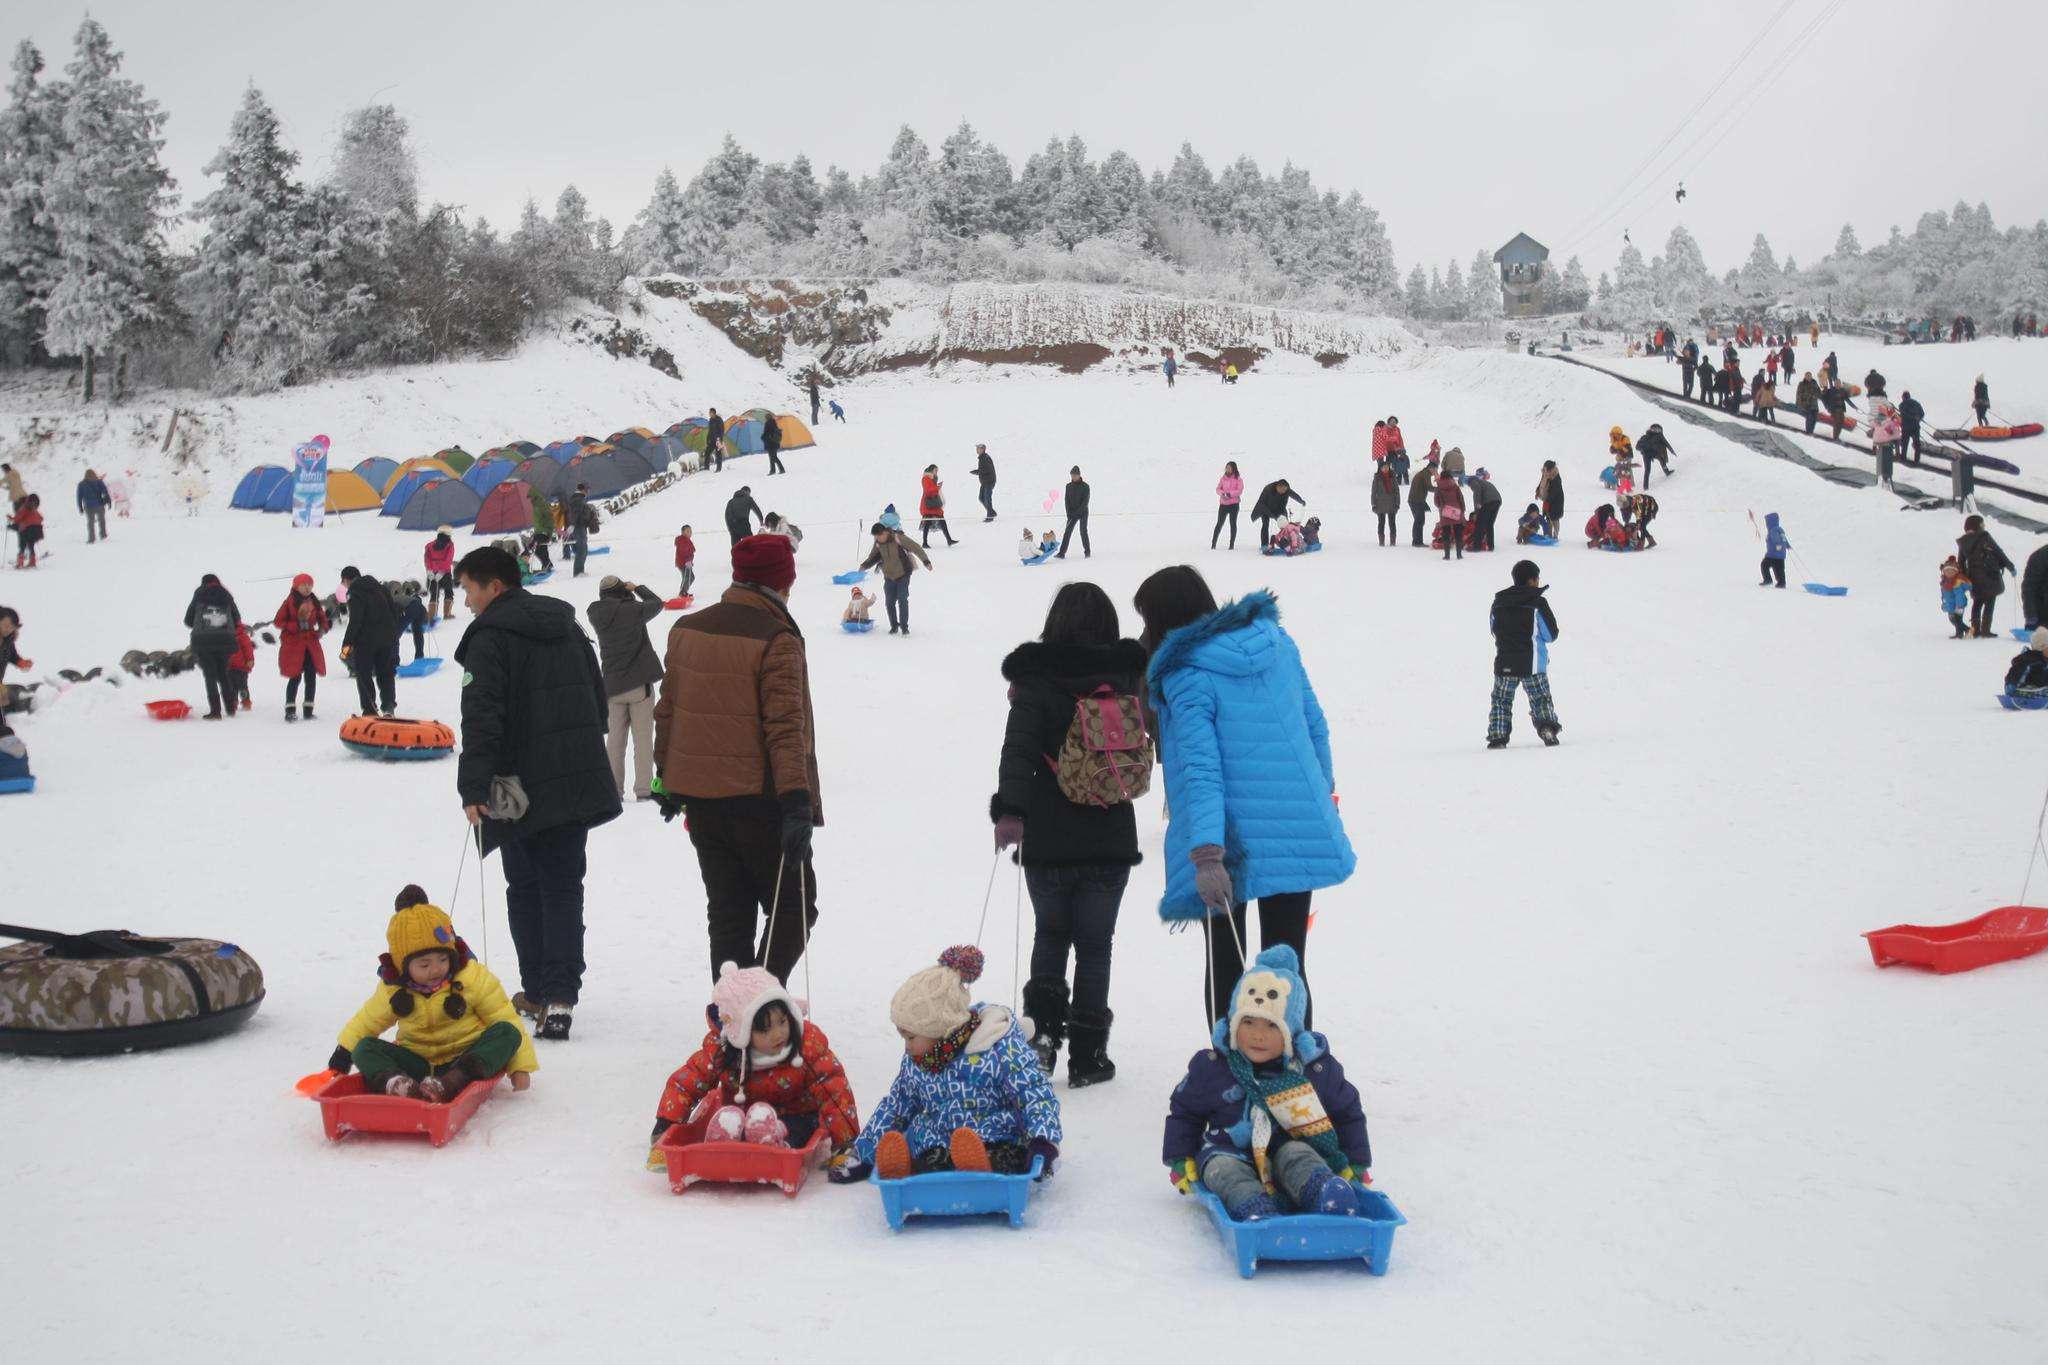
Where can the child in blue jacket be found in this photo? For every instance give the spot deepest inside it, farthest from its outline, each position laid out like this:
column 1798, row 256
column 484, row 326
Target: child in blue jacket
column 970, row 1094
column 1776, row 543
column 1267, row 1111
column 1955, row 595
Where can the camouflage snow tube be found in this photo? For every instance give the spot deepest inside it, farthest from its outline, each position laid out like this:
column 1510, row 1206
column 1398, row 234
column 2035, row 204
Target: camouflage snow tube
column 77, row 995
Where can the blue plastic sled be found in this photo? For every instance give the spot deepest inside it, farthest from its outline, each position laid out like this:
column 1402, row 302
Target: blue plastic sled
column 1541, row 540
column 848, row 579
column 856, row 627
column 1037, row 559
column 959, row 1194
column 2022, row 634
column 418, row 668
column 17, row 784
column 1305, row 550
column 532, row 578
column 2010, row 700
column 1823, row 590
column 596, row 550
column 1311, row 1236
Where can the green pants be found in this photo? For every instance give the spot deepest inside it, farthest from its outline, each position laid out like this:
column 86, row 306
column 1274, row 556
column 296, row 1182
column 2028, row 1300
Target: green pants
column 487, row 1056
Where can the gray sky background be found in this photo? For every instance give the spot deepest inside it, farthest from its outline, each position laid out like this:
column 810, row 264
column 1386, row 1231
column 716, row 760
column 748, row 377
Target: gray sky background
column 1462, row 123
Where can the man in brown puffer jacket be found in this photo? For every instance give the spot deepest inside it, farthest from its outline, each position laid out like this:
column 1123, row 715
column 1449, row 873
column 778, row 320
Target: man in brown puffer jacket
column 735, row 742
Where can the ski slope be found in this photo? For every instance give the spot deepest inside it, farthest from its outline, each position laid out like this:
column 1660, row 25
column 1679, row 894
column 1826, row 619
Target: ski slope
column 1629, row 1070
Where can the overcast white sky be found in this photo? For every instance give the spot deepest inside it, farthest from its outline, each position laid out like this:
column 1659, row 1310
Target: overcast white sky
column 1462, row 122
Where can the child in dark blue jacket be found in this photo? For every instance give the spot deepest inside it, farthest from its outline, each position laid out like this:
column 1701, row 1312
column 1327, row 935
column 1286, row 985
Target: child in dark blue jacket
column 1266, row 1111
column 1776, row 543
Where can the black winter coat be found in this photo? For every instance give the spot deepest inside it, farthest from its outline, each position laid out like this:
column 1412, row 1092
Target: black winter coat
column 1077, row 497
column 984, row 469
column 628, row 657
column 714, row 432
column 1984, row 562
column 212, row 618
column 372, row 617
column 1653, row 444
column 771, row 435
column 739, row 514
column 1911, row 414
column 1515, row 612
column 2034, row 587
column 533, row 707
column 1045, row 682
column 2029, row 669
column 1272, row 502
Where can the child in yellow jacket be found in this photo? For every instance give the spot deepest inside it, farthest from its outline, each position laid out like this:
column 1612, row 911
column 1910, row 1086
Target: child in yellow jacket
column 454, row 1023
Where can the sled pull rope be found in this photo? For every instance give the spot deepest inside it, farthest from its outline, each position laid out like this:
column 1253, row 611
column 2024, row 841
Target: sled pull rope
column 987, row 894
column 803, row 920
column 474, row 835
column 2038, row 851
column 1017, row 948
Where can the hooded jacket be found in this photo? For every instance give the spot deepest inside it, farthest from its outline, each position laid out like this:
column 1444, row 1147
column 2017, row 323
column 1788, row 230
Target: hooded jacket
column 533, row 707
column 1776, row 542
column 300, row 622
column 810, row 1080
column 1984, row 562
column 1523, row 628
column 620, row 619
column 212, row 618
column 1045, row 683
column 734, row 722
column 372, row 617
column 1209, row 1112
column 994, row 1087
column 1245, row 752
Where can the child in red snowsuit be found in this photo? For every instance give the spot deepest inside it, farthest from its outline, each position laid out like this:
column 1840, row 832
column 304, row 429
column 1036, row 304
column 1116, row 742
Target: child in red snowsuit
column 240, row 663
column 764, row 1074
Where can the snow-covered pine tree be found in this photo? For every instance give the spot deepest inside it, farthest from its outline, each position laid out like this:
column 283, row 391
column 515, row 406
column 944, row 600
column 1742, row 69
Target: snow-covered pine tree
column 29, row 143
column 971, row 184
column 254, row 287
column 1573, row 293
column 654, row 244
column 1437, row 303
column 374, row 165
column 1189, row 189
column 1482, row 289
column 1681, row 282
column 108, row 198
column 1126, row 199
column 714, row 204
column 1416, row 296
column 1369, row 270
column 1454, row 300
column 1847, row 248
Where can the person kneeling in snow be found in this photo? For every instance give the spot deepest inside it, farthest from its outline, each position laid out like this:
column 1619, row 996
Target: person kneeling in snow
column 1603, row 529
column 970, row 1094
column 1027, row 546
column 1266, row 1111
column 763, row 1074
column 2028, row 676
column 1533, row 523
column 1288, row 538
column 454, row 1023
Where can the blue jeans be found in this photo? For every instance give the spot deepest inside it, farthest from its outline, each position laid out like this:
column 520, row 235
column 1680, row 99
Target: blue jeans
column 544, row 902
column 896, row 601
column 1075, row 911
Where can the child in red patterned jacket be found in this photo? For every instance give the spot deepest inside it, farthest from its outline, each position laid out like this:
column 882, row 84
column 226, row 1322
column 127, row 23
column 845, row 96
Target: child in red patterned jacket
column 763, row 1074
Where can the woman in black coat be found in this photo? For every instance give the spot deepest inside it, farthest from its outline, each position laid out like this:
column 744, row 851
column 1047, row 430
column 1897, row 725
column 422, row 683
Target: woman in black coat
column 1076, row 858
column 212, row 618
column 1986, row 565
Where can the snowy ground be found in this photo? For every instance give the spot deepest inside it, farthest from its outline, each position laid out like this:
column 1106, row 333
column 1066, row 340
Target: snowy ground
column 1629, row 1070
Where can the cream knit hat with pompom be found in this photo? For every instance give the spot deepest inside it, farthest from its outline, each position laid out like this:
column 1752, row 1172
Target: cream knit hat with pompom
column 934, row 1002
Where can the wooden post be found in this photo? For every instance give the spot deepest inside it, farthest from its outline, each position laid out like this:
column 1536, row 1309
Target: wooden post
column 88, row 374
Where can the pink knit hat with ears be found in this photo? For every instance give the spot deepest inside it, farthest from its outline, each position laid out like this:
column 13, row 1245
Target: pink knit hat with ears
column 739, row 996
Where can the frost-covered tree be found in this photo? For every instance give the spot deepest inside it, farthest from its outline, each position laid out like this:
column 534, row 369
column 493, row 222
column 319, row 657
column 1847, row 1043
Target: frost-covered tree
column 1125, row 198
column 1416, row 297
column 1760, row 274
column 971, row 189
column 108, row 198
column 654, row 244
column 29, row 146
column 374, row 164
column 1454, row 300
column 1680, row 280
column 1633, row 299
column 1573, row 293
column 1482, row 289
column 1847, row 248
column 255, row 286
column 715, row 203
column 1189, row 189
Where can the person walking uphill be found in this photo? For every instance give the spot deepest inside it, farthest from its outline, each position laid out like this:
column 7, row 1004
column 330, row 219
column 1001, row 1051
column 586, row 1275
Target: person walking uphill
column 741, row 512
column 1076, row 833
column 93, row 499
column 1523, row 627
column 736, row 743
column 1077, row 513
column 213, row 617
column 532, row 773
column 1271, row 505
column 369, row 644
column 985, row 474
column 931, row 508
column 300, row 622
column 631, row 669
column 1980, row 400
column 1987, row 565
column 1250, row 788
column 893, row 555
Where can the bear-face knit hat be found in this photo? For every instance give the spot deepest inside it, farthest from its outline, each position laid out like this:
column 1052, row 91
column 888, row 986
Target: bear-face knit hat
column 740, row 996
column 934, row 1002
column 1272, row 989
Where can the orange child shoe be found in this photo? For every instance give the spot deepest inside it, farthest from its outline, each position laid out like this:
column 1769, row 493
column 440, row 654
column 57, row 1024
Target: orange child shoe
column 892, row 1157
column 969, row 1153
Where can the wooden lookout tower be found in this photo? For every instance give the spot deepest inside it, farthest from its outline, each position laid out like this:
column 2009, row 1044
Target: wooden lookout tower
column 1524, row 276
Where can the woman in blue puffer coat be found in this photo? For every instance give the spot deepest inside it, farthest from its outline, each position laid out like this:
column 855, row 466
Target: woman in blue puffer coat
column 1249, row 783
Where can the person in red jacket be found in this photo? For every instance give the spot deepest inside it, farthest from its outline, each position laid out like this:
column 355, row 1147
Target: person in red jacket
column 441, row 575
column 763, row 1074
column 240, row 663
column 300, row 623
column 931, row 508
column 686, row 560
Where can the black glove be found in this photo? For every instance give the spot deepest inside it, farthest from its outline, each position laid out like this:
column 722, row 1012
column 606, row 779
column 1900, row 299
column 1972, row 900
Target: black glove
column 341, row 1062
column 670, row 806
column 796, row 826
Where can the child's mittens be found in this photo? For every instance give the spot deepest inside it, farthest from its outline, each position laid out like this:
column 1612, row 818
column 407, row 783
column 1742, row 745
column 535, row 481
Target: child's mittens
column 1046, row 1148
column 842, row 1169
column 1183, row 1175
column 340, row 1062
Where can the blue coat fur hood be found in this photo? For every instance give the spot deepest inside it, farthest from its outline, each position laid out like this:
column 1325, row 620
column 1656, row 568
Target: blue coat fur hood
column 1245, row 752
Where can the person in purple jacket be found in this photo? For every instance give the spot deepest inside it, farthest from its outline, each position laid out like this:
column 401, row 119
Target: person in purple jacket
column 1266, row 1112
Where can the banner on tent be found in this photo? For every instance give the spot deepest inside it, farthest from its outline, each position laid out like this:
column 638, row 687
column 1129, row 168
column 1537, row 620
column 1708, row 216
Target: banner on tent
column 309, row 482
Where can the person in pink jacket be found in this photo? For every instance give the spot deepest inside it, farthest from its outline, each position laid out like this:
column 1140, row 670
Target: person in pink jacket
column 1450, row 508
column 1229, row 490
column 441, row 575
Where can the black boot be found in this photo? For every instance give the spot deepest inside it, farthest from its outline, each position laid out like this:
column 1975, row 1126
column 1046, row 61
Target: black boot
column 1045, row 1003
column 1088, row 1062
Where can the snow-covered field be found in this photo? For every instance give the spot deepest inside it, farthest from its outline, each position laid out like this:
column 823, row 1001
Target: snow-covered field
column 1630, row 1072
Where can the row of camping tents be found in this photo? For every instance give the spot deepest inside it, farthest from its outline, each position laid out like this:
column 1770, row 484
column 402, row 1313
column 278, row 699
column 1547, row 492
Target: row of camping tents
column 493, row 492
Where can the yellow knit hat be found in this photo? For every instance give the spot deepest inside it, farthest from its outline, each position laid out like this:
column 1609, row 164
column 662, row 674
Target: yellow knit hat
column 420, row 928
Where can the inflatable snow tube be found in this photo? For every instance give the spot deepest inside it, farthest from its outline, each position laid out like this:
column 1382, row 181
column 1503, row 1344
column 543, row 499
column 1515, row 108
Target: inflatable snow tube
column 83, row 995
column 2005, row 433
column 396, row 740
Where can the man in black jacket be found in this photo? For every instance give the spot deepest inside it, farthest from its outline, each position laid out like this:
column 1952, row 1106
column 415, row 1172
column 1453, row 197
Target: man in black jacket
column 1654, row 449
column 1523, row 628
column 370, row 644
column 985, row 471
column 741, row 512
column 631, row 669
column 1077, row 513
column 1911, row 415
column 1688, row 361
column 771, row 441
column 1485, row 509
column 714, row 441
column 1835, row 399
column 532, row 775
column 580, row 518
column 1271, row 504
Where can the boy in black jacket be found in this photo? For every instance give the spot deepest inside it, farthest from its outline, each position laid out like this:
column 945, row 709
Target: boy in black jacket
column 1523, row 628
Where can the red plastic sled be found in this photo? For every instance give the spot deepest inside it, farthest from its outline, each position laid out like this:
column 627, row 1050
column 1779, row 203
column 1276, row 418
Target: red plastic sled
column 1996, row 936
column 680, row 603
column 169, row 710
column 345, row 1109
column 691, row 1159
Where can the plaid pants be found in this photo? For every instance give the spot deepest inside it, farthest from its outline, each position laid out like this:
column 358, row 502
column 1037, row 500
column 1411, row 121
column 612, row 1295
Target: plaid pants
column 1500, row 716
